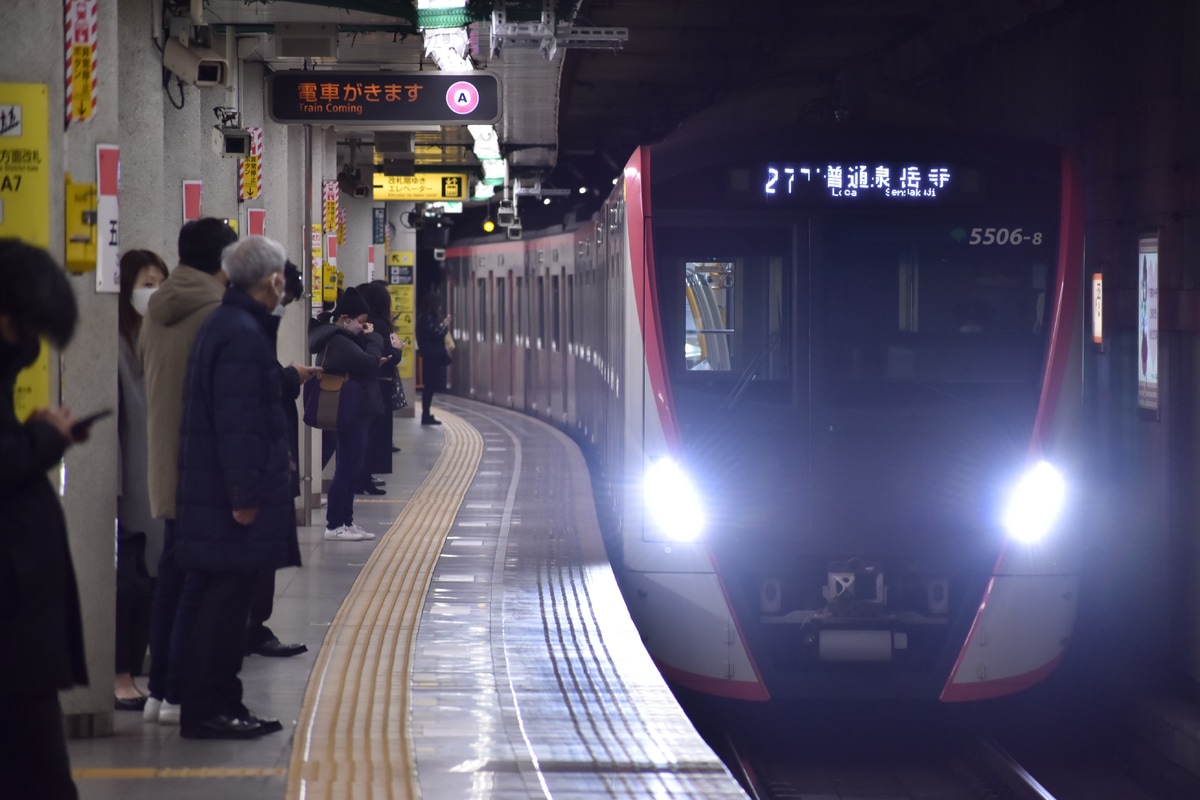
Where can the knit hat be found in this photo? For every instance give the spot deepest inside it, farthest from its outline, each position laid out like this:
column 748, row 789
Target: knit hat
column 350, row 304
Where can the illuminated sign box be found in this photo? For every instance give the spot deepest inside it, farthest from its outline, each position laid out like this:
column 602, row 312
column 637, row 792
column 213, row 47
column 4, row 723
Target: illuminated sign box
column 410, row 98
column 423, row 186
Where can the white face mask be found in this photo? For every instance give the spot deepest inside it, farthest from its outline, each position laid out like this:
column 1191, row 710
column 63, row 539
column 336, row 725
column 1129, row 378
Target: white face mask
column 279, row 309
column 140, row 299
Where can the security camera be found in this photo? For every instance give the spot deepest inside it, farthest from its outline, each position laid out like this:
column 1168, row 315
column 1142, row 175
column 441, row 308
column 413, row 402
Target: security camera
column 195, row 65
column 513, row 231
column 439, row 254
column 231, row 142
column 506, row 215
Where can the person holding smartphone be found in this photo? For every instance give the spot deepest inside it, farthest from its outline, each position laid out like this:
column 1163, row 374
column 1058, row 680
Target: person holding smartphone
column 39, row 599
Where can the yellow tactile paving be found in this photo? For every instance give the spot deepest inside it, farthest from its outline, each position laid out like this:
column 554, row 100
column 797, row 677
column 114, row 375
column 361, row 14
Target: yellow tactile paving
column 351, row 738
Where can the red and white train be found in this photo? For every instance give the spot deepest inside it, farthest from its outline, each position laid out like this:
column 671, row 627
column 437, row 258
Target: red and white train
column 831, row 382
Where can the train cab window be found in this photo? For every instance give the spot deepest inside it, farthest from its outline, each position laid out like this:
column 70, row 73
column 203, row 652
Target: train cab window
column 555, row 312
column 905, row 309
column 734, row 317
column 501, row 309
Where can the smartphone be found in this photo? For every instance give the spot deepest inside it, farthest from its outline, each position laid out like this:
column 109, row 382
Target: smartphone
column 83, row 425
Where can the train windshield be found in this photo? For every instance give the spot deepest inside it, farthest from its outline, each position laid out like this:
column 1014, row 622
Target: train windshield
column 914, row 312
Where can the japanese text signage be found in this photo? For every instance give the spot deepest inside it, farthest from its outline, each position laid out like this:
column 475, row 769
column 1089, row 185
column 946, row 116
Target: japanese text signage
column 25, row 203
column 864, row 181
column 422, row 186
column 427, row 98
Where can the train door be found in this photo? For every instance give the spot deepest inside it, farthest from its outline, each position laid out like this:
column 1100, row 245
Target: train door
column 541, row 367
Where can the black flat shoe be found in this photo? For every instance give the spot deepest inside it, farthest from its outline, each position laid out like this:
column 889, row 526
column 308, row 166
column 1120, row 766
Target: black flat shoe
column 372, row 489
column 395, row 449
column 224, row 726
column 430, row 421
column 129, row 703
column 377, row 481
column 273, row 648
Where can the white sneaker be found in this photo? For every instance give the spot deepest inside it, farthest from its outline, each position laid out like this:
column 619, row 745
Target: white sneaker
column 343, row 533
column 168, row 714
column 364, row 533
column 151, row 709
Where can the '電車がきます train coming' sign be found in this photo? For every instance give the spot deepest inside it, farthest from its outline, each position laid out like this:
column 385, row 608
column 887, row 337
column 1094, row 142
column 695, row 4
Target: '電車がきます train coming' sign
column 427, row 98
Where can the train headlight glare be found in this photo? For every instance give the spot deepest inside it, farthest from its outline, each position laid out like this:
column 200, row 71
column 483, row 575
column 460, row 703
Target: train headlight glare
column 1035, row 503
column 672, row 501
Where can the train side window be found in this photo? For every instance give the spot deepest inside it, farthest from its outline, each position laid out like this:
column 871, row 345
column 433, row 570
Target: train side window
column 521, row 311
column 481, row 334
column 541, row 311
column 570, row 310
column 555, row 312
column 501, row 308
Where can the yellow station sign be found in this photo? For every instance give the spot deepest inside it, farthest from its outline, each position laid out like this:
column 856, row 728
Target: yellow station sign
column 419, row 187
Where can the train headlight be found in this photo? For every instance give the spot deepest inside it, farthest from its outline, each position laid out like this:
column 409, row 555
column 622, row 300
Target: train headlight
column 673, row 502
column 1035, row 503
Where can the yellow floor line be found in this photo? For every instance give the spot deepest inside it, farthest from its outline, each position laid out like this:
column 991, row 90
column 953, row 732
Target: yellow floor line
column 351, row 738
column 143, row 773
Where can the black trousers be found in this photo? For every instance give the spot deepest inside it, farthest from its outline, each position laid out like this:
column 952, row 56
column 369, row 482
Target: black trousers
column 33, row 749
column 215, row 646
column 262, row 603
column 135, row 595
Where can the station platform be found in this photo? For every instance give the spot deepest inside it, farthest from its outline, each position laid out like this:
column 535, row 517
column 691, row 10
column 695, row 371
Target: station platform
column 479, row 647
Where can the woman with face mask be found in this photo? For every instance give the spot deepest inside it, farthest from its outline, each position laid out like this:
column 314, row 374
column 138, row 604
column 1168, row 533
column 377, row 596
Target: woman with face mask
column 349, row 345
column 139, row 535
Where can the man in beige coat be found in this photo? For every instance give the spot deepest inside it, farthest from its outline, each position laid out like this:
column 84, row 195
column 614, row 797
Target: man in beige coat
column 192, row 292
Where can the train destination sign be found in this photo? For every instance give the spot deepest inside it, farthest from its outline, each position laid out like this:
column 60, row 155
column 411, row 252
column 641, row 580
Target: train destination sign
column 414, row 98
column 850, row 181
column 423, row 186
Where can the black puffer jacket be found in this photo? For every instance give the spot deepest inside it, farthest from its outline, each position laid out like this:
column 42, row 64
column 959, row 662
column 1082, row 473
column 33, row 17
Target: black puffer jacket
column 340, row 352
column 39, row 600
column 233, row 446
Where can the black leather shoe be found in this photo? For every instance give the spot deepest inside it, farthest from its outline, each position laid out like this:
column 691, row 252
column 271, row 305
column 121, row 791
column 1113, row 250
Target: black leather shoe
column 129, row 703
column 430, row 421
column 277, row 649
column 224, row 726
column 370, row 489
column 395, row 449
column 376, row 481
column 268, row 725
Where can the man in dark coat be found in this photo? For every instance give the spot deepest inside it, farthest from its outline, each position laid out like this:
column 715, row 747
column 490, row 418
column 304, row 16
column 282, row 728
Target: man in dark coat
column 435, row 358
column 234, row 508
column 39, row 600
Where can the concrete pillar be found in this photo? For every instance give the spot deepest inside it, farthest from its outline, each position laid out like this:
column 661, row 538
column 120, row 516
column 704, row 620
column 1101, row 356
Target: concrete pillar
column 84, row 376
column 143, row 220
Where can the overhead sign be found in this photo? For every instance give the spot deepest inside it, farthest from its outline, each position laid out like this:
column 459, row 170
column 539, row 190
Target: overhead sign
column 425, row 98
column 422, row 186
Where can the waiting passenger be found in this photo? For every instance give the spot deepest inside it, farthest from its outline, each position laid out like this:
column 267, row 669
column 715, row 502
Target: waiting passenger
column 139, row 534
column 186, row 298
column 378, row 457
column 261, row 640
column 432, row 328
column 39, row 600
column 349, row 346
column 235, row 512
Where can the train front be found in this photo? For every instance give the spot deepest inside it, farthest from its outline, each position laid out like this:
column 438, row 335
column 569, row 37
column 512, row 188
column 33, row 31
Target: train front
column 857, row 467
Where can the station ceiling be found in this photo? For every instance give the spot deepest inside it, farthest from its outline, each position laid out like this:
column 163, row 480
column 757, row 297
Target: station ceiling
column 572, row 119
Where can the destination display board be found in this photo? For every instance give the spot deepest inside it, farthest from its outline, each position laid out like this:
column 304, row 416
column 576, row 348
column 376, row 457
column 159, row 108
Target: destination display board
column 782, row 181
column 414, row 98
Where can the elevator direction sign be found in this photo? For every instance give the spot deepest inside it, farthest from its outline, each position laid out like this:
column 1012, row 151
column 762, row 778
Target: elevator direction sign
column 422, row 187
column 398, row 98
